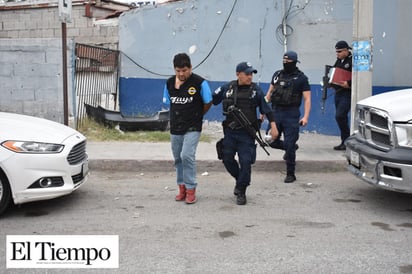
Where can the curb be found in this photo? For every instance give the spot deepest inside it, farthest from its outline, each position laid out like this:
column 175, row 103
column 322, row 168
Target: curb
column 211, row 165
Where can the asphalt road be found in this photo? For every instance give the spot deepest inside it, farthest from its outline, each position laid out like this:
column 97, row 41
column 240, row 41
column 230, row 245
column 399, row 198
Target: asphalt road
column 322, row 223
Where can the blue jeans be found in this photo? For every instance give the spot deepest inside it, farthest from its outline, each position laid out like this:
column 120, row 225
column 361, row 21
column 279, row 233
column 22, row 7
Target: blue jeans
column 287, row 123
column 342, row 105
column 184, row 152
column 240, row 142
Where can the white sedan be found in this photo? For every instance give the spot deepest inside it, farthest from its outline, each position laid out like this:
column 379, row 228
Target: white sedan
column 39, row 159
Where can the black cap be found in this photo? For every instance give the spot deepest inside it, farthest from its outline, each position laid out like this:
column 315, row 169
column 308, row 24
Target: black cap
column 291, row 55
column 245, row 67
column 342, row 45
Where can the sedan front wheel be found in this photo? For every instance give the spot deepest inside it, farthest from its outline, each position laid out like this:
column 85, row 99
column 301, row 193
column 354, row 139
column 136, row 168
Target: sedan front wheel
column 5, row 194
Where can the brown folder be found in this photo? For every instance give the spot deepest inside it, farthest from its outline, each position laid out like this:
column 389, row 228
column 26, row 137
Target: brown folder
column 338, row 75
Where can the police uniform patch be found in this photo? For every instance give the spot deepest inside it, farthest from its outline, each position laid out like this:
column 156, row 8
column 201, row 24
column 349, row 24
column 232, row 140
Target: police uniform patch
column 229, row 93
column 253, row 95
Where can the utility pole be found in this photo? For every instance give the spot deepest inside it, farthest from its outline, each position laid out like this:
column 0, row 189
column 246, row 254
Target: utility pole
column 65, row 10
column 284, row 26
column 362, row 53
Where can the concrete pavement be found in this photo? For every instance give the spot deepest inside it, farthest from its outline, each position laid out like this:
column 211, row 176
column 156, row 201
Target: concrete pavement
column 323, row 223
column 315, row 154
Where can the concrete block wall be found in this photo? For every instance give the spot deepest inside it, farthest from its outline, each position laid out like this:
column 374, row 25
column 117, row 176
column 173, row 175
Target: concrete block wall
column 31, row 80
column 31, row 77
column 45, row 23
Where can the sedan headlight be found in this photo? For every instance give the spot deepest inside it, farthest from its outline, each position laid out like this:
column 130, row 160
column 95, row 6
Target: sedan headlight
column 32, row 147
column 404, row 134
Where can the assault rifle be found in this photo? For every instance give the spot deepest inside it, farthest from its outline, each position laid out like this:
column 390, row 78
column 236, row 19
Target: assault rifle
column 244, row 122
column 325, row 85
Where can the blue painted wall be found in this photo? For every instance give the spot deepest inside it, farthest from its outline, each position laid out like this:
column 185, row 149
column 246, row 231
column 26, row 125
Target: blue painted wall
column 143, row 97
column 219, row 34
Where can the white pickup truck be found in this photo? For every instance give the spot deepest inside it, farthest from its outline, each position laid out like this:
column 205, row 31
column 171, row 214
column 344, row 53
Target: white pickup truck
column 380, row 150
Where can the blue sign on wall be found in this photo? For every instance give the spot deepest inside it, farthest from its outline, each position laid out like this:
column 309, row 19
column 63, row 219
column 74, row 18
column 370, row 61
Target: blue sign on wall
column 361, row 56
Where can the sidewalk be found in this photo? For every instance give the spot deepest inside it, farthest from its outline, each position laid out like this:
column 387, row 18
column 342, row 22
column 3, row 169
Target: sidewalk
column 315, row 154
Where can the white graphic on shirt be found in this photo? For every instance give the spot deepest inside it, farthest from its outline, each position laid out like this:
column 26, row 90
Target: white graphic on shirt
column 181, row 100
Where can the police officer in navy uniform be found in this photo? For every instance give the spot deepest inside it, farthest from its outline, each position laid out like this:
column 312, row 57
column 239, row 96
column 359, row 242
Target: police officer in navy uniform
column 343, row 92
column 286, row 90
column 244, row 95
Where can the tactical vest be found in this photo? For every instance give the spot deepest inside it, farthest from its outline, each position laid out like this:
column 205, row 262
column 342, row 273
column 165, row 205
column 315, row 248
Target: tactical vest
column 284, row 93
column 186, row 105
column 244, row 100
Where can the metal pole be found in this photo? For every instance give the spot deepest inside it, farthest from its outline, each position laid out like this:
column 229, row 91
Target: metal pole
column 64, row 54
column 284, row 27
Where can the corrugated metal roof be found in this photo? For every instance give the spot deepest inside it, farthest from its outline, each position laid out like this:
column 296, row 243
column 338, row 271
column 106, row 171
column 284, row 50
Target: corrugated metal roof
column 114, row 7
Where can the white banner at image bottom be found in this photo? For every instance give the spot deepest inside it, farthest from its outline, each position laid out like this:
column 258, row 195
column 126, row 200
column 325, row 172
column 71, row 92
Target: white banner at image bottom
column 62, row 251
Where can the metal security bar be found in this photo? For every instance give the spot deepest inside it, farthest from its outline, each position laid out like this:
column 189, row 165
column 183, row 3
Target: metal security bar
column 96, row 79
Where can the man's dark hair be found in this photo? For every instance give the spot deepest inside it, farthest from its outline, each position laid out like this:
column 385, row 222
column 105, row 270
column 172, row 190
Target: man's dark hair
column 181, row 60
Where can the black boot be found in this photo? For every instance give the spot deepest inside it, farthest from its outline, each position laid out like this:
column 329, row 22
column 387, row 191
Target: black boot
column 236, row 191
column 241, row 195
column 340, row 147
column 290, row 178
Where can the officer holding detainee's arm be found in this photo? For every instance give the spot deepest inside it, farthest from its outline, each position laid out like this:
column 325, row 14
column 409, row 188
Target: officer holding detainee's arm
column 241, row 98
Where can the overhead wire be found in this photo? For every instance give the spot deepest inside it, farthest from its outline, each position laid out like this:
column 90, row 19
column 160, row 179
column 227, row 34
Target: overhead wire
column 201, row 62
column 284, row 30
